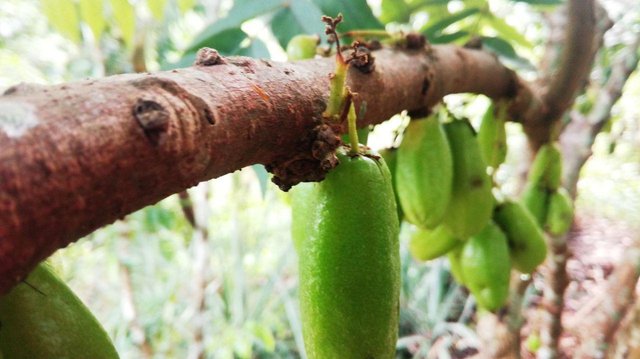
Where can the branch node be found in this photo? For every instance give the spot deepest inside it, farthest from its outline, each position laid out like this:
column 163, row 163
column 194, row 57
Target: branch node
column 308, row 166
column 207, row 56
column 153, row 118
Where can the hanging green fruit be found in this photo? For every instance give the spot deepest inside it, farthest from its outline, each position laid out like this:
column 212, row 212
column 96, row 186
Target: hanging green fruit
column 526, row 240
column 424, row 173
column 349, row 262
column 471, row 204
column 42, row 318
column 486, row 267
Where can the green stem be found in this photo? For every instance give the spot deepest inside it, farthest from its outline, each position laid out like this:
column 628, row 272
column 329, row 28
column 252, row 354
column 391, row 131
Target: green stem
column 337, row 89
column 366, row 33
column 353, row 130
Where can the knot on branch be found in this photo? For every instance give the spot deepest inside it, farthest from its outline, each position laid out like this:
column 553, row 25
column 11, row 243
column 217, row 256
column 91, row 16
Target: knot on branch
column 310, row 165
column 207, row 56
column 361, row 57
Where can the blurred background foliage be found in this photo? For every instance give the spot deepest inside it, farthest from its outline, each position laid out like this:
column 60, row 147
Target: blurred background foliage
column 212, row 273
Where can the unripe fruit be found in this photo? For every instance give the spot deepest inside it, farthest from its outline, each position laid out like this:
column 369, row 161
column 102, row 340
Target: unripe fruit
column 560, row 214
column 349, row 263
column 390, row 156
column 302, row 47
column 455, row 263
column 427, row 244
column 42, row 318
column 546, row 169
column 471, row 204
column 536, row 200
column 424, row 173
column 492, row 138
column 486, row 267
column 527, row 245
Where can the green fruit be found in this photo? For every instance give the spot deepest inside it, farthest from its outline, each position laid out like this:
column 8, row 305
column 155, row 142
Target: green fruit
column 527, row 245
column 424, row 173
column 492, row 138
column 390, row 156
column 560, row 214
column 300, row 207
column 471, row 202
column 486, row 267
column 536, row 200
column 546, row 169
column 302, row 47
column 350, row 263
column 455, row 263
column 427, row 244
column 42, row 318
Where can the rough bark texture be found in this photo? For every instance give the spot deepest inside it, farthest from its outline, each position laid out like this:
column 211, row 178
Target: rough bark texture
column 572, row 73
column 75, row 157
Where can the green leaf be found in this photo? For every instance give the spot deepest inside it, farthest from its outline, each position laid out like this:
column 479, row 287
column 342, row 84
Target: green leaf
column 256, row 49
column 431, row 30
column 92, row 13
column 499, row 46
column 394, row 11
column 239, row 13
column 185, row 5
column 448, row 38
column 284, row 26
column 125, row 18
column 157, row 8
column 308, row 16
column 357, row 14
column 226, row 42
column 302, row 17
column 504, row 49
column 63, row 17
column 507, row 32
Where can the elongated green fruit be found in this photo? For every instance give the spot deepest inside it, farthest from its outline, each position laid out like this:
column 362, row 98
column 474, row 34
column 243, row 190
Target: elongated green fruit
column 560, row 214
column 390, row 156
column 486, row 267
column 424, row 173
column 546, row 169
column 302, row 47
column 536, row 200
column 471, row 204
column 455, row 262
column 301, row 206
column 349, row 263
column 527, row 245
column 492, row 137
column 427, row 244
column 42, row 318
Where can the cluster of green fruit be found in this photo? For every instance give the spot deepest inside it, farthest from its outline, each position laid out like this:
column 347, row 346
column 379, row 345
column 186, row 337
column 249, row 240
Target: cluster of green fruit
column 345, row 228
column 42, row 318
column 550, row 204
column 441, row 177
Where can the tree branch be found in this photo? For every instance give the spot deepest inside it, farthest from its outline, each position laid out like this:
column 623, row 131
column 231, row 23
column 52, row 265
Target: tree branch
column 571, row 75
column 75, row 157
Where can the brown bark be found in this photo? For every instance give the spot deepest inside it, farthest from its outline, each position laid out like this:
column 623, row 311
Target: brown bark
column 75, row 157
column 570, row 76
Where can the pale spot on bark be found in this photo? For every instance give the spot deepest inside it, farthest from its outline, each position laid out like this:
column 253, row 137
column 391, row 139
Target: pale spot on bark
column 17, row 118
